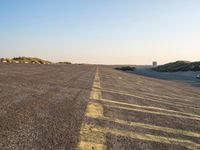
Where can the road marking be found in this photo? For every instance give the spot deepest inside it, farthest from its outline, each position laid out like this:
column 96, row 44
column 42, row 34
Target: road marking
column 144, row 137
column 151, row 112
column 93, row 140
column 93, row 137
column 91, row 146
column 175, row 96
column 148, row 99
column 94, row 110
column 96, row 88
column 181, row 99
column 146, row 96
column 152, row 108
column 149, row 126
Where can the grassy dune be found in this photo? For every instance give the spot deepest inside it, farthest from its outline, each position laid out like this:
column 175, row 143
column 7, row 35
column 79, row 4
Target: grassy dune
column 31, row 60
column 179, row 66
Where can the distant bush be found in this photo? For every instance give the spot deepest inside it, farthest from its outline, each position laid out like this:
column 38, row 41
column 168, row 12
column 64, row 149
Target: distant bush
column 64, row 63
column 5, row 60
column 126, row 68
column 179, row 66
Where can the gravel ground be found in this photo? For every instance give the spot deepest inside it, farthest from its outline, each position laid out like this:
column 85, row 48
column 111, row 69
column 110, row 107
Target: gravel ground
column 59, row 106
column 42, row 106
column 143, row 113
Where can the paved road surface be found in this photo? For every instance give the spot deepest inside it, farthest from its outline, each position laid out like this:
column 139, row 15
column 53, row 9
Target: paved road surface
column 89, row 107
column 42, row 106
column 188, row 77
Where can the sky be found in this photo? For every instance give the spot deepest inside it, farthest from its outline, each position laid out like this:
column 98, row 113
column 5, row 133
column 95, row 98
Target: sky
column 101, row 31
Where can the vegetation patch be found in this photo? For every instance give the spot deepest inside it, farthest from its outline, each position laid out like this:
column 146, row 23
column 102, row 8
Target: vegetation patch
column 65, row 62
column 179, row 66
column 25, row 60
column 125, row 68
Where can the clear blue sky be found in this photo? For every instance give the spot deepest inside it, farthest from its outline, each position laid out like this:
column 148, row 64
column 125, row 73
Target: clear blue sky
column 101, row 31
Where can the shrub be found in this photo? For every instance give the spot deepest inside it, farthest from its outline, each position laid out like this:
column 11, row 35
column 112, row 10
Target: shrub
column 126, row 68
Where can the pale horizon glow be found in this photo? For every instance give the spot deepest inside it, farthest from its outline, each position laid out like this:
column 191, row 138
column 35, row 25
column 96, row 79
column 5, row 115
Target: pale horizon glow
column 101, row 32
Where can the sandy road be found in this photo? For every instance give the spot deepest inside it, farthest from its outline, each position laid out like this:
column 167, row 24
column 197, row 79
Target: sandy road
column 88, row 107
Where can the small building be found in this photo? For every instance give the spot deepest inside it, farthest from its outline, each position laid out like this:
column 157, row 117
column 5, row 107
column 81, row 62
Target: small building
column 154, row 64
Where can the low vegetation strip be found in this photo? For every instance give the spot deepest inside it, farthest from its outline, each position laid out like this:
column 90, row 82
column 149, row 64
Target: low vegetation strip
column 125, row 68
column 64, row 62
column 179, row 66
column 29, row 60
column 25, row 60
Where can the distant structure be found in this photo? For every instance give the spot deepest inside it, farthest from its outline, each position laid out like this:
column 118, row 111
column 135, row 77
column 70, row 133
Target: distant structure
column 154, row 63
